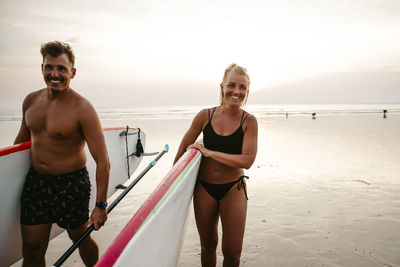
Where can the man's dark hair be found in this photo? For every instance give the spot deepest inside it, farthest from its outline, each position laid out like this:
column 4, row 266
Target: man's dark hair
column 56, row 49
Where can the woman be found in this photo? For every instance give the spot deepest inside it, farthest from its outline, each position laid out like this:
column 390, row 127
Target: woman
column 230, row 144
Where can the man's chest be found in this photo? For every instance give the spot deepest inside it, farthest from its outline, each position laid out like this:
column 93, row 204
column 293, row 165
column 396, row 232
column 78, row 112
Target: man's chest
column 56, row 121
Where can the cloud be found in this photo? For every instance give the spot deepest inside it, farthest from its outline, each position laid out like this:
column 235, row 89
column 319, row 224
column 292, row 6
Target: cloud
column 124, row 44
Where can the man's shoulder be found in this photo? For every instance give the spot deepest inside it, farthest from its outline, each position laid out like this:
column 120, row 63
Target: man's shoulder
column 32, row 96
column 80, row 101
column 82, row 106
column 35, row 94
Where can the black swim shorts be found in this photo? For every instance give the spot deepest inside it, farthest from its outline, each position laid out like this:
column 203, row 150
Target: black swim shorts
column 61, row 199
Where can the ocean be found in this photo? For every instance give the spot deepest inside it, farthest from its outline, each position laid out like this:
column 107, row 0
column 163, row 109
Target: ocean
column 11, row 117
column 14, row 114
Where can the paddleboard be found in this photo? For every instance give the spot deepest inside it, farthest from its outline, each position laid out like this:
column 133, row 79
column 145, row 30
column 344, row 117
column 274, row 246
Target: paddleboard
column 15, row 164
column 153, row 237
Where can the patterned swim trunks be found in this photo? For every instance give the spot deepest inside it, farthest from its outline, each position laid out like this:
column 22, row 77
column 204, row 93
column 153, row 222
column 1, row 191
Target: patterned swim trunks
column 61, row 199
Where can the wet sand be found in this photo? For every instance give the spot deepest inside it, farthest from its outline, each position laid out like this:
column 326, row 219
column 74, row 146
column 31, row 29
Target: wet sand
column 322, row 192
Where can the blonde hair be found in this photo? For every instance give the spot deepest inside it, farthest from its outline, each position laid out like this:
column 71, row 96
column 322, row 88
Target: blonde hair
column 238, row 70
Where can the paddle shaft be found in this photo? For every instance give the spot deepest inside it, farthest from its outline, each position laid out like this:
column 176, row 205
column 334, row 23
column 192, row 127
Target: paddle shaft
column 74, row 246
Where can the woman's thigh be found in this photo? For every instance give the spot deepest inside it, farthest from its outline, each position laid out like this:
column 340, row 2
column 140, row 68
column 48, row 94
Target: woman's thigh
column 206, row 210
column 233, row 210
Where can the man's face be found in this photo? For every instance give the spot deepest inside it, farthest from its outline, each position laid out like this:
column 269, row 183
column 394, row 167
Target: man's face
column 57, row 72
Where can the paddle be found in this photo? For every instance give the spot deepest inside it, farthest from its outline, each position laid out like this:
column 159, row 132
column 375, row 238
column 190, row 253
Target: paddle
column 110, row 208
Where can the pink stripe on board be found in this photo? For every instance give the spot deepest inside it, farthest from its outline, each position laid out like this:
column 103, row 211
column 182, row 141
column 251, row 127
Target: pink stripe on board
column 120, row 242
column 15, row 148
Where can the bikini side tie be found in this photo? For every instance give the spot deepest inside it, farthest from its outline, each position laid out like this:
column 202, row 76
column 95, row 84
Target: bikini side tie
column 243, row 184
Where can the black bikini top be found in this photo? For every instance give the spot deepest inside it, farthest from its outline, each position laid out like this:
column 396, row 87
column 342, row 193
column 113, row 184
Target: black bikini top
column 231, row 144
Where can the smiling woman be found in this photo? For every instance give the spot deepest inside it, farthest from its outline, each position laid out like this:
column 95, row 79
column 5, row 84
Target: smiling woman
column 230, row 145
column 235, row 85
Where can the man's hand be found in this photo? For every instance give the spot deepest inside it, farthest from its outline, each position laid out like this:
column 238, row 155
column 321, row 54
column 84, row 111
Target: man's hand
column 98, row 218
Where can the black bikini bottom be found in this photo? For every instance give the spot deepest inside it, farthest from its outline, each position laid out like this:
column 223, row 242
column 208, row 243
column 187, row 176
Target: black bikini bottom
column 219, row 191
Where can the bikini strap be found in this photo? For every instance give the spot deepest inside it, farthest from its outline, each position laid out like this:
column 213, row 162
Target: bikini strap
column 241, row 183
column 212, row 114
column 243, row 117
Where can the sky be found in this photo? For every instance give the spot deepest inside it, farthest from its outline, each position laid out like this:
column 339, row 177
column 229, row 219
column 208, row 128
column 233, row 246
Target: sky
column 134, row 53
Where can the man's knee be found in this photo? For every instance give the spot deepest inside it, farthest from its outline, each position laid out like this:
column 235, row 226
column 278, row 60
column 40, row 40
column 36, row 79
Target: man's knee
column 33, row 250
column 76, row 233
column 35, row 239
column 89, row 251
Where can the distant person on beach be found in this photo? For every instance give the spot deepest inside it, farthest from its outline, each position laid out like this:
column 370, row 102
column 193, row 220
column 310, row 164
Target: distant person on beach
column 230, row 144
column 313, row 115
column 59, row 122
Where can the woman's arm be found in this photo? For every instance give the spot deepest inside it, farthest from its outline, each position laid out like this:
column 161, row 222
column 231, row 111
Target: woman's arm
column 192, row 133
column 249, row 148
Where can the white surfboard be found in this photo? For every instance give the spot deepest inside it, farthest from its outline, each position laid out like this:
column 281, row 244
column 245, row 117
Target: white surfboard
column 15, row 164
column 153, row 236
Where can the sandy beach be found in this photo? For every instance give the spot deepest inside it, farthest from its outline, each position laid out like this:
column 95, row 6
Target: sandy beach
column 322, row 192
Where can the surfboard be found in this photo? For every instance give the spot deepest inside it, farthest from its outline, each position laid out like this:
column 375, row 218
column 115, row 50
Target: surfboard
column 15, row 164
column 153, row 236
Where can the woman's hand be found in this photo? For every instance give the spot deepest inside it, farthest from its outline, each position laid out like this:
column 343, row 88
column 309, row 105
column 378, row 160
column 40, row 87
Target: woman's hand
column 200, row 146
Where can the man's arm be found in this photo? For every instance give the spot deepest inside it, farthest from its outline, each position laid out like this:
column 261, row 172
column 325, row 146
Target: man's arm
column 24, row 134
column 94, row 137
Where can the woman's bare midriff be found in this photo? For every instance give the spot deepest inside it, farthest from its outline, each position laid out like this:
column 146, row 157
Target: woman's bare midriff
column 212, row 171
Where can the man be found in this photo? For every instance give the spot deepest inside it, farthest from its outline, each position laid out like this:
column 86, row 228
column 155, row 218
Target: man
column 57, row 188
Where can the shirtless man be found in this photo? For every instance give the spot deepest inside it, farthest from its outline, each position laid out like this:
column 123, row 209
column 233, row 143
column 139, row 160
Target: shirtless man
column 57, row 188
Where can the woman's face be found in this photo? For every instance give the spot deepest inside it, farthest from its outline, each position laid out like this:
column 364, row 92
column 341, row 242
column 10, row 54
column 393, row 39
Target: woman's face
column 235, row 89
